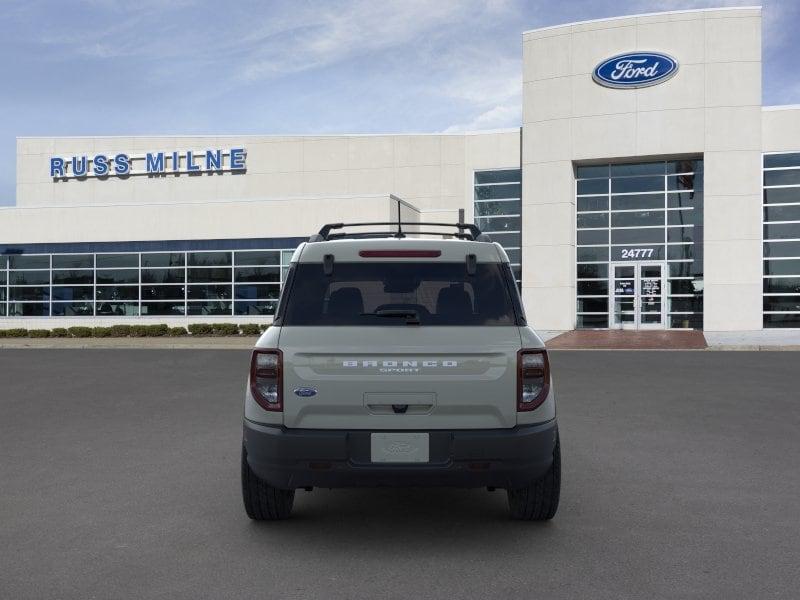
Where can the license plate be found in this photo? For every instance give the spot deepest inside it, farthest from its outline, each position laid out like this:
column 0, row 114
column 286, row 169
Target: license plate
column 400, row 447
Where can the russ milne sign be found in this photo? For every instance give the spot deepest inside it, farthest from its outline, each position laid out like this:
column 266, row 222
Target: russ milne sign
column 150, row 163
column 635, row 70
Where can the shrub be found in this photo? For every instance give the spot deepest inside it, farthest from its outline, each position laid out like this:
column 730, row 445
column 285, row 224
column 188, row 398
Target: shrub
column 80, row 332
column 38, row 333
column 156, row 330
column 224, row 329
column 120, row 330
column 16, row 332
column 3, row 333
column 250, row 329
column 138, row 330
column 101, row 332
column 177, row 331
column 200, row 329
column 59, row 332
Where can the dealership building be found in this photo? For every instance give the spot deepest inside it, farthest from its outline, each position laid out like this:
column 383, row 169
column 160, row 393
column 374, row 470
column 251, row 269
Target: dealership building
column 646, row 188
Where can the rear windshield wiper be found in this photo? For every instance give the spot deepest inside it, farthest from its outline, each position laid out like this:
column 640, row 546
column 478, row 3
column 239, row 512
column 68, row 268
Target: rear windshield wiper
column 411, row 315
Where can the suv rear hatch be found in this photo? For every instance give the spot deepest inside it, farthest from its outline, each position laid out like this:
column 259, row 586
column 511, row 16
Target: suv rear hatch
column 385, row 343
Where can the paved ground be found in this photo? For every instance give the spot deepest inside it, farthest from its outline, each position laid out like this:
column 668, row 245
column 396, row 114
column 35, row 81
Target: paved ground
column 611, row 339
column 119, row 479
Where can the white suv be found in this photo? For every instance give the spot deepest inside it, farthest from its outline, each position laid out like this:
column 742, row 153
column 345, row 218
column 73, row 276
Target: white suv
column 400, row 361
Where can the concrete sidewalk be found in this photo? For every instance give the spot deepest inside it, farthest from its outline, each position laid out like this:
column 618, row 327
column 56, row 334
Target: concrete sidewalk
column 765, row 339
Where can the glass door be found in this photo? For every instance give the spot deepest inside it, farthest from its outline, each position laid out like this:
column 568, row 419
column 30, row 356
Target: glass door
column 637, row 295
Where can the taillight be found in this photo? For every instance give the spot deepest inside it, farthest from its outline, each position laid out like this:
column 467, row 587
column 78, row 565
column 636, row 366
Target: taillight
column 533, row 378
column 266, row 378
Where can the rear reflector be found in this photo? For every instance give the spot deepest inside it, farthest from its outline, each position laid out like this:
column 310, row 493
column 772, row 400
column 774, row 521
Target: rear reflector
column 399, row 253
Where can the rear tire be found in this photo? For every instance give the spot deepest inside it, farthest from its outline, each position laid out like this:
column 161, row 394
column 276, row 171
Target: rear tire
column 538, row 501
column 262, row 502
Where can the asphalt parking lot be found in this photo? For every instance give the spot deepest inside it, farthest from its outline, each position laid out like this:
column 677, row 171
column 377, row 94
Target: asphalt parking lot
column 119, row 478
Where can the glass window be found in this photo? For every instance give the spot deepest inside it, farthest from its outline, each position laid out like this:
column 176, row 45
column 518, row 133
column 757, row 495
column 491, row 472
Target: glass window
column 499, row 176
column 782, row 303
column 683, row 269
column 209, row 308
column 260, row 257
column 783, row 231
column 163, row 259
column 512, row 240
column 637, row 202
column 286, row 256
column 785, row 320
column 636, row 184
column 592, row 220
column 782, row 213
column 383, row 293
column 694, row 304
column 684, row 166
column 782, row 285
column 2, row 277
column 638, row 252
column 27, row 261
column 117, row 309
column 255, row 307
column 592, row 186
column 28, row 309
column 117, row 276
column 3, row 307
column 593, row 254
column 684, row 200
column 514, row 255
column 72, row 292
column 648, row 168
column 29, row 293
column 592, row 321
column 114, row 261
column 163, row 275
column 72, row 309
column 162, row 292
column 637, row 236
column 497, row 207
column 73, row 261
column 684, row 217
column 209, row 292
column 492, row 192
column 782, row 249
column 592, row 271
column 3, row 262
column 73, row 277
column 219, row 275
column 789, row 159
column 782, row 195
column 782, row 267
column 637, row 219
column 592, row 305
column 786, row 177
column 593, row 288
column 680, row 234
column 162, row 309
column 501, row 224
column 593, row 203
column 681, row 182
column 592, row 236
column 209, row 259
column 257, row 292
column 694, row 321
column 680, row 251
column 28, row 277
column 684, row 286
column 117, row 292
column 588, row 171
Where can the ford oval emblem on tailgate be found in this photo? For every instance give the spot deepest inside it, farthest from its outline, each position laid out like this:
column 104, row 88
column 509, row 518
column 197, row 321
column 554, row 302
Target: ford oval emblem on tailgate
column 305, row 392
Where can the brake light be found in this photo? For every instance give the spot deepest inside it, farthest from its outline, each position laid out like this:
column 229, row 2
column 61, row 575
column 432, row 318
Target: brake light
column 533, row 378
column 399, row 253
column 266, row 379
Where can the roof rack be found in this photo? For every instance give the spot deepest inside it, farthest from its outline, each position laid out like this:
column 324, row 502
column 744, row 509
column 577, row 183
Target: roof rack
column 463, row 231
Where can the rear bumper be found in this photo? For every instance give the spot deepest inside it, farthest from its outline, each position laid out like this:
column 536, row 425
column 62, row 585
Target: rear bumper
column 296, row 458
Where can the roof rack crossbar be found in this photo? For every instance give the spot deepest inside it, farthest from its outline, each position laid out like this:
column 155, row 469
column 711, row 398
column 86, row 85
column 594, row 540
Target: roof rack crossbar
column 465, row 230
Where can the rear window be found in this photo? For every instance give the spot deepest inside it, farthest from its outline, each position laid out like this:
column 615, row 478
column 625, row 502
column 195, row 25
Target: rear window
column 391, row 293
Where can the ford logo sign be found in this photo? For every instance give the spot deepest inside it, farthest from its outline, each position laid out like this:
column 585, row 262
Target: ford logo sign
column 635, row 70
column 305, row 392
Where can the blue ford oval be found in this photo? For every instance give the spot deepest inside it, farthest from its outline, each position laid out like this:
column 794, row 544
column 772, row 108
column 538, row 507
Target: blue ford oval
column 305, row 392
column 635, row 70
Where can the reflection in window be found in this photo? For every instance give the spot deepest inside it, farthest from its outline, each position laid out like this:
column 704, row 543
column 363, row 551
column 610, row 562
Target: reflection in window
column 497, row 207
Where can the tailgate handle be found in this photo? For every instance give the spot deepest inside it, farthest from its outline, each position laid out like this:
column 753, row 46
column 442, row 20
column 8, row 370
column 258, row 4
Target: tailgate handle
column 399, row 408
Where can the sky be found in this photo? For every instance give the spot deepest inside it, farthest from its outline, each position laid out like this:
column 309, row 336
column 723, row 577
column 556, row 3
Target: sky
column 153, row 67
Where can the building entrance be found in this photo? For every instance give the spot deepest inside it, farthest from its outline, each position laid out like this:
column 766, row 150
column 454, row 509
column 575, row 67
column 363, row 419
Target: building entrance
column 637, row 295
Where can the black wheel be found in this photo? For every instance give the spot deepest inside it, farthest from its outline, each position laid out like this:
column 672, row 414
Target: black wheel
column 538, row 501
column 262, row 502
